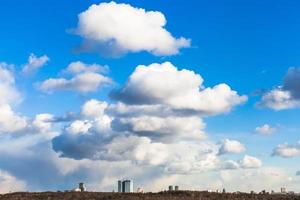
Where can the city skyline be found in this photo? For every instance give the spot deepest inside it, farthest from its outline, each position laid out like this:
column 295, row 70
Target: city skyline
column 198, row 94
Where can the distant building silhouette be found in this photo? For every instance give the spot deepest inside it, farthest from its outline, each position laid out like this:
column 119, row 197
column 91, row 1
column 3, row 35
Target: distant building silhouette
column 80, row 188
column 140, row 190
column 125, row 186
column 283, row 190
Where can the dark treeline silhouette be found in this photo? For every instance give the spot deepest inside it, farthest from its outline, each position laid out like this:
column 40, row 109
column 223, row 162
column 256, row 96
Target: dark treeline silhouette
column 178, row 195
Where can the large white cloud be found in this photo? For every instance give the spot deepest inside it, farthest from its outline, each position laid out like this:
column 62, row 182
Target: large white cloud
column 160, row 138
column 270, row 178
column 231, row 146
column 165, row 129
column 99, row 175
column 151, row 124
column 82, row 140
column 43, row 122
column 8, row 92
column 9, row 183
column 174, row 158
column 95, row 111
column 87, row 78
column 94, row 108
column 250, row 162
column 247, row 162
column 180, row 89
column 34, row 63
column 121, row 28
column 10, row 121
column 286, row 96
column 287, row 150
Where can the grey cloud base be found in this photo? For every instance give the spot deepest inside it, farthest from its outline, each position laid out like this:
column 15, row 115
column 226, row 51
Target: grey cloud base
column 286, row 96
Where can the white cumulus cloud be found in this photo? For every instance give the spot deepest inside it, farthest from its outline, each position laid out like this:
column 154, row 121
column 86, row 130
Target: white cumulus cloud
column 10, row 121
column 80, row 67
column 86, row 79
column 250, row 162
column 165, row 129
column 8, row 92
column 179, row 89
column 43, row 122
column 79, row 127
column 287, row 150
column 34, row 63
column 265, row 129
column 286, row 96
column 94, row 108
column 231, row 146
column 122, row 28
column 9, row 183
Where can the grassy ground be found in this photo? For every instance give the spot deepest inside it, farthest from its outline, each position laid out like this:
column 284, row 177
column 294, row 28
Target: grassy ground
column 180, row 195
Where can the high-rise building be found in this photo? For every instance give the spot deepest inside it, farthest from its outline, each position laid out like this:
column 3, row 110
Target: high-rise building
column 176, row 187
column 81, row 188
column 119, row 186
column 125, row 186
column 171, row 188
column 283, row 190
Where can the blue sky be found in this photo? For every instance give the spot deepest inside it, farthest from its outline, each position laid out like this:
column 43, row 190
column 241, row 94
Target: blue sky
column 251, row 46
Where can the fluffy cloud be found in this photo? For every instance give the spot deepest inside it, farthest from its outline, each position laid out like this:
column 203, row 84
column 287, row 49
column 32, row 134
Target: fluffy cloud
column 137, row 149
column 174, row 158
column 186, row 158
column 286, row 96
column 10, row 121
column 245, row 180
column 83, row 139
column 153, row 125
column 165, row 129
column 8, row 91
column 121, row 28
column 230, row 164
column 182, row 90
column 95, row 111
column 9, row 183
column 20, row 154
column 278, row 99
column 43, row 122
column 110, row 141
column 34, row 63
column 287, row 150
column 150, row 164
column 80, row 67
column 247, row 162
column 231, row 146
column 265, row 129
column 86, row 79
column 94, row 108
column 250, row 162
column 87, row 82
column 79, row 127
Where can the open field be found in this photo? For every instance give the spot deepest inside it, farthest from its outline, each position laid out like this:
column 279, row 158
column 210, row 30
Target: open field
column 181, row 195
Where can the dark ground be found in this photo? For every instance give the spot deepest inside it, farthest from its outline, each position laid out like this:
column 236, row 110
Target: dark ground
column 181, row 195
